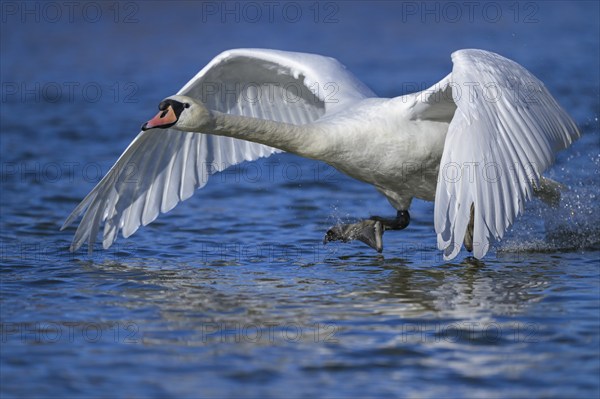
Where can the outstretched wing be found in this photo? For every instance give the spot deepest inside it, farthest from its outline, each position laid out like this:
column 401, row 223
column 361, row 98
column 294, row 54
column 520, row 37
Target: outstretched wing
column 160, row 168
column 502, row 136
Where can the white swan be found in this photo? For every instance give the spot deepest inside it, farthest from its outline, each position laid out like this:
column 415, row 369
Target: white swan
column 476, row 143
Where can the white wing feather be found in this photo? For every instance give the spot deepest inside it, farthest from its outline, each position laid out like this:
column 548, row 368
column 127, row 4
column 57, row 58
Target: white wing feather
column 503, row 135
column 161, row 168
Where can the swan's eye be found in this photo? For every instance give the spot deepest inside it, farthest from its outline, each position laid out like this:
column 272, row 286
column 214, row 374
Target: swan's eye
column 186, row 105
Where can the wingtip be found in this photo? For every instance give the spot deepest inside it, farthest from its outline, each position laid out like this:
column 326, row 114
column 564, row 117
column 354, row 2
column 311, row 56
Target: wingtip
column 65, row 224
column 73, row 247
column 451, row 252
column 480, row 252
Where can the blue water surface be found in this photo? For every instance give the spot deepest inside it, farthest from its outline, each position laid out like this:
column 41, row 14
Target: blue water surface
column 232, row 294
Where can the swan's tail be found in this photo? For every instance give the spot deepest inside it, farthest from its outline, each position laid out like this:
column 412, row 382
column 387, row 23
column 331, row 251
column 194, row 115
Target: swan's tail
column 549, row 191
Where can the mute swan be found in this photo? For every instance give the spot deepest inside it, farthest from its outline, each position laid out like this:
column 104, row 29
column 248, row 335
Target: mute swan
column 476, row 142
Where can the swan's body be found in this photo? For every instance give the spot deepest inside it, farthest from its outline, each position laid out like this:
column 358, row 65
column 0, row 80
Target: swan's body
column 388, row 152
column 478, row 155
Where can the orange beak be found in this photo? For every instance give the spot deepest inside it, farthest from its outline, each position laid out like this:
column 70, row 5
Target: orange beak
column 163, row 119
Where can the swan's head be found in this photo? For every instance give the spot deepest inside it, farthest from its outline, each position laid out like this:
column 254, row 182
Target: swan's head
column 180, row 112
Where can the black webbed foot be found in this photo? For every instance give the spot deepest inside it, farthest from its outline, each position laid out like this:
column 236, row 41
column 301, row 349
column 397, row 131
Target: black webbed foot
column 369, row 231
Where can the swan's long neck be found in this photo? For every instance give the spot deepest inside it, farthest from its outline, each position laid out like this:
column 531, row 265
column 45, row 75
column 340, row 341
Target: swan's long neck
column 304, row 140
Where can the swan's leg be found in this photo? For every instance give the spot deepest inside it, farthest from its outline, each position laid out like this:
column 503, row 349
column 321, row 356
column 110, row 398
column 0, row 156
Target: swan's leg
column 469, row 233
column 369, row 231
column 402, row 220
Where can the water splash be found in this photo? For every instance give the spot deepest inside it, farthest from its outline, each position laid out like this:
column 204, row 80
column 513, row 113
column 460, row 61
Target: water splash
column 573, row 226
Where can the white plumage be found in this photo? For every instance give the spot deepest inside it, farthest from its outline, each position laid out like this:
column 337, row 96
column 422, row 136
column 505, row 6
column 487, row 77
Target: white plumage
column 482, row 135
